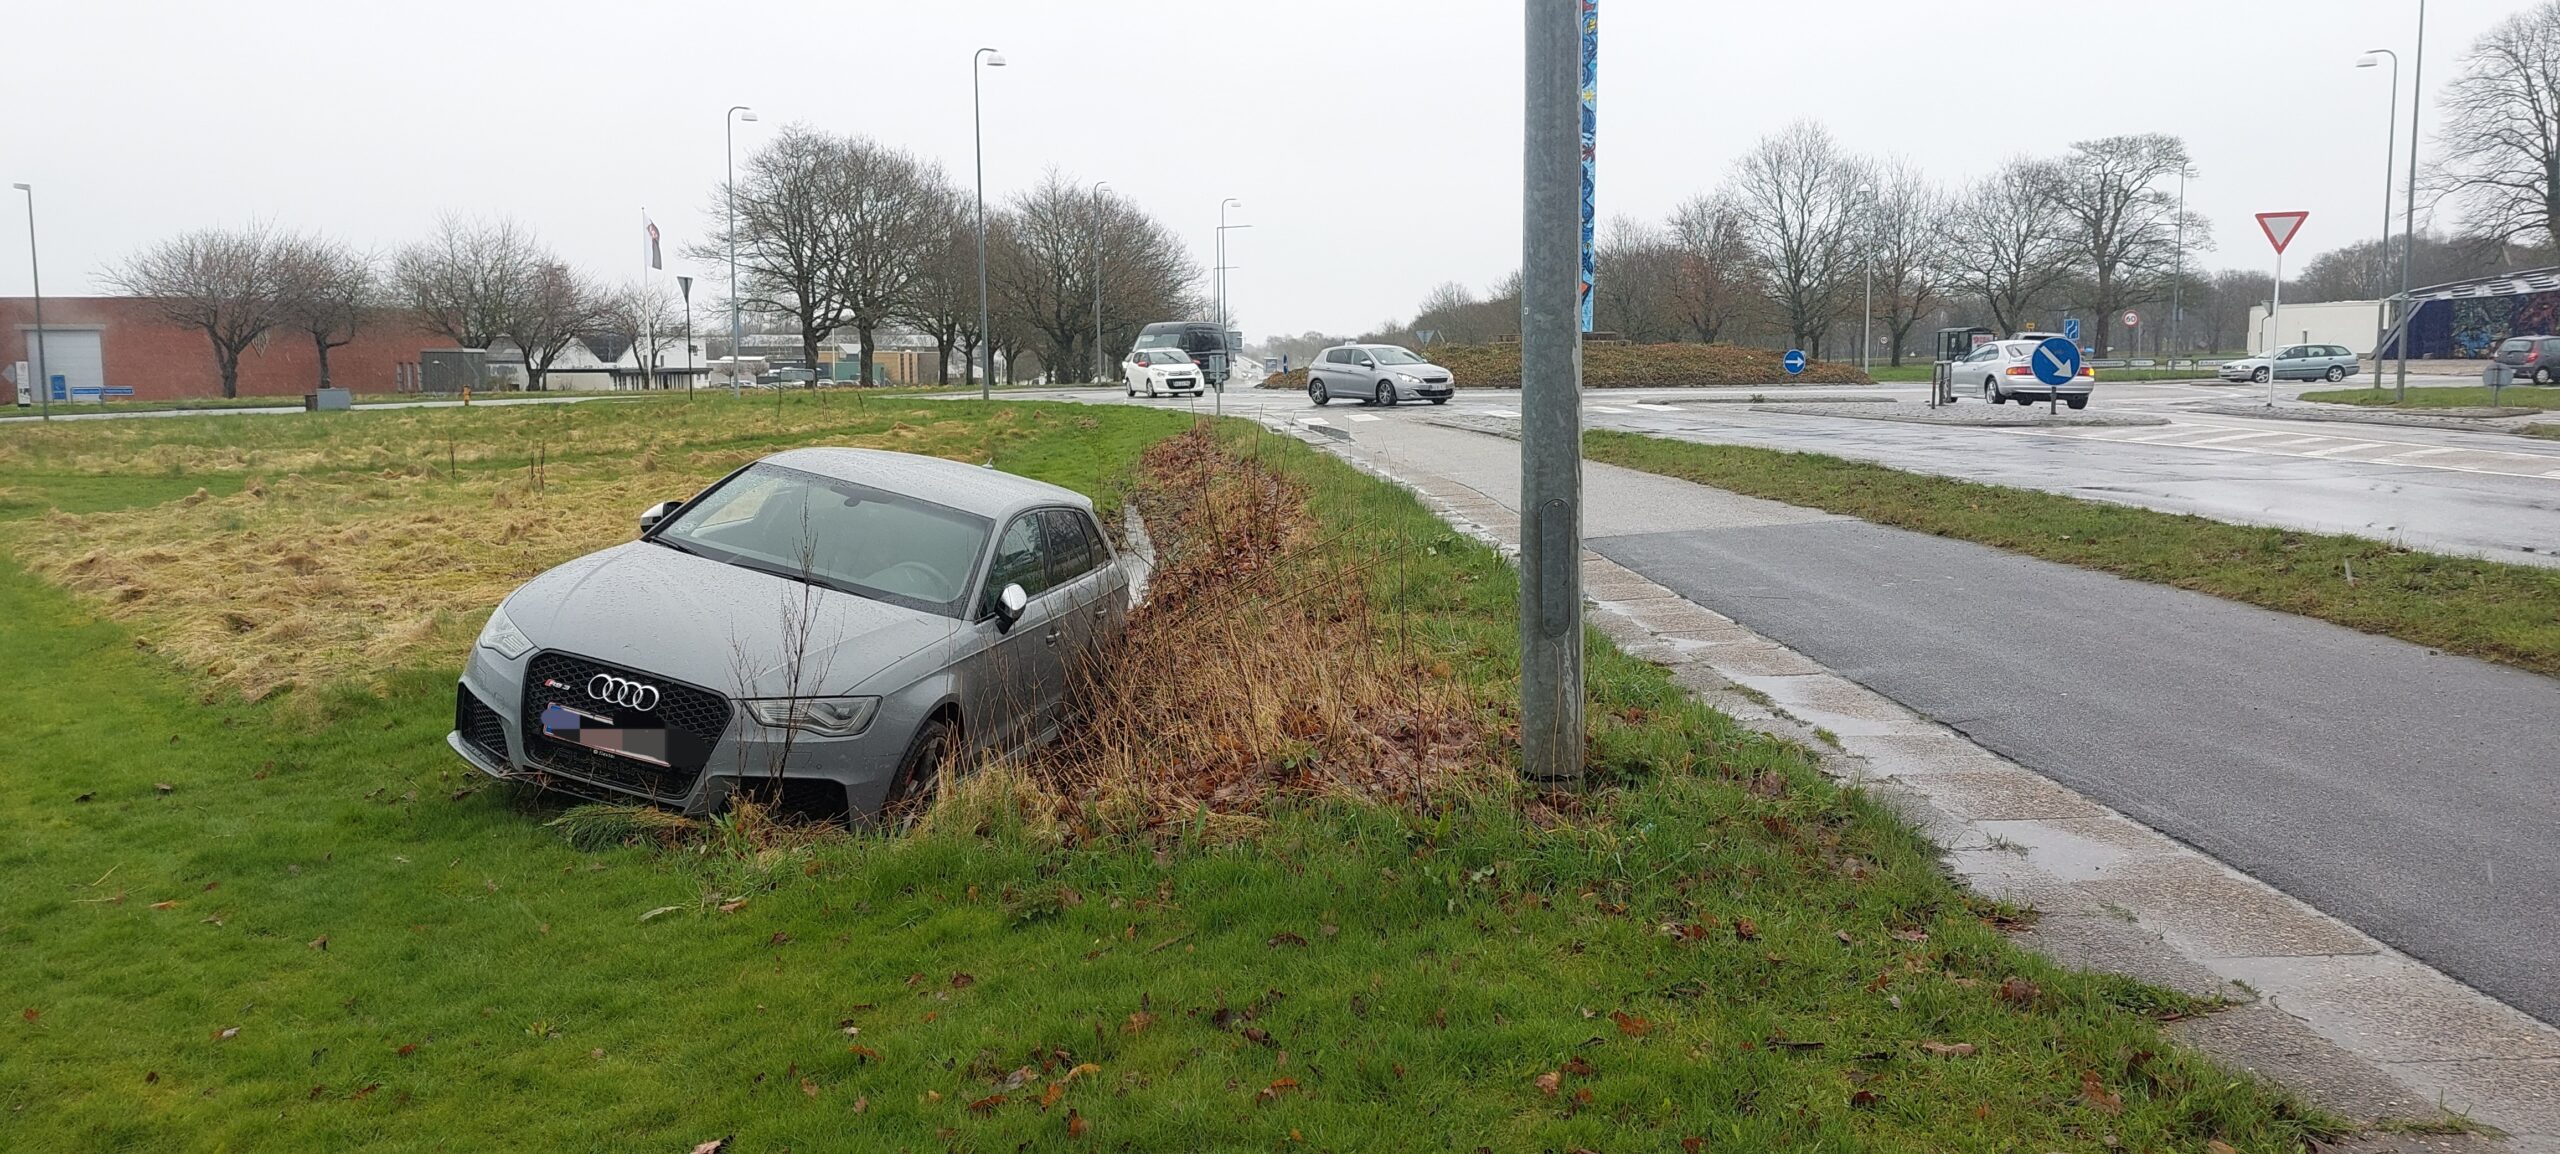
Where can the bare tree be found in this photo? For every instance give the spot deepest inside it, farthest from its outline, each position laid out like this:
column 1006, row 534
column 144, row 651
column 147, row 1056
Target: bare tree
column 1795, row 197
column 2008, row 240
column 2224, row 312
column 469, row 278
column 1638, row 267
column 790, row 235
column 331, row 292
column 1717, row 282
column 2123, row 227
column 887, row 210
column 557, row 306
column 944, row 305
column 1042, row 265
column 228, row 284
column 1906, row 246
column 2500, row 156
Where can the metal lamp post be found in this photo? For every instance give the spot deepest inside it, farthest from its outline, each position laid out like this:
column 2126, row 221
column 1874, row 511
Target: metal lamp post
column 737, row 331
column 1098, row 186
column 2409, row 204
column 2382, row 252
column 978, row 134
column 1551, row 669
column 1219, row 282
column 35, row 273
column 684, row 288
column 1867, row 263
column 2178, row 270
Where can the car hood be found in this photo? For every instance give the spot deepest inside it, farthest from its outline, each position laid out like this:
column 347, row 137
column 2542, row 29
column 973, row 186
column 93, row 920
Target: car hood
column 653, row 609
column 1422, row 370
column 2247, row 362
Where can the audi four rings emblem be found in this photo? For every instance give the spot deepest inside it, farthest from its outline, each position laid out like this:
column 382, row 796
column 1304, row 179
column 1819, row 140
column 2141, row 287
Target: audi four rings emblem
column 622, row 691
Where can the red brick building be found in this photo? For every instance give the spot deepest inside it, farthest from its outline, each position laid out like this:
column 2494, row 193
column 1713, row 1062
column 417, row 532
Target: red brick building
column 123, row 342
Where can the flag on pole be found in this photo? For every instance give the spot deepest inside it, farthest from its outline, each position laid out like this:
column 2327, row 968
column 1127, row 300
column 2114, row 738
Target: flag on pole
column 651, row 226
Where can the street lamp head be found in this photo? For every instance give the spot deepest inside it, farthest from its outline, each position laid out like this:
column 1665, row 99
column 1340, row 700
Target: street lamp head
column 23, row 187
column 1231, row 202
column 746, row 114
column 2368, row 61
column 995, row 59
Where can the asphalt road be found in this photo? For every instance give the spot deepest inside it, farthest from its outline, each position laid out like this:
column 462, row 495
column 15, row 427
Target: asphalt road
column 2411, row 794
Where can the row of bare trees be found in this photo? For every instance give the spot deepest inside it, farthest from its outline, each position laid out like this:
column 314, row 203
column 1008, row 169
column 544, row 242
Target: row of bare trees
column 475, row 282
column 842, row 233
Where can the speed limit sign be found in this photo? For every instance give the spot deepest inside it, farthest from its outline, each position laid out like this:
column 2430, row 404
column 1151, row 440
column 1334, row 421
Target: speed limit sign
column 2132, row 319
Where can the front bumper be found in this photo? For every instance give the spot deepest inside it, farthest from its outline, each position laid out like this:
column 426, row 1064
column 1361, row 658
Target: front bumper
column 491, row 734
column 2238, row 376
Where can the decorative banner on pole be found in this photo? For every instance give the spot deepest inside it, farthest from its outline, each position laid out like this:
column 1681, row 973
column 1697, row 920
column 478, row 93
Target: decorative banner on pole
column 649, row 226
column 1590, row 138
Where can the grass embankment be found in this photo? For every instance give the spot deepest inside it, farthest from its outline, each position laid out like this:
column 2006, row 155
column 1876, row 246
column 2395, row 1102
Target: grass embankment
column 1620, row 366
column 2467, row 397
column 299, row 924
column 2505, row 613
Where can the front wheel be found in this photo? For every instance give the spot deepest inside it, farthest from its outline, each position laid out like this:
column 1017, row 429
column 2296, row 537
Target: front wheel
column 920, row 771
column 1316, row 393
column 1386, row 394
column 2259, row 377
column 2336, row 374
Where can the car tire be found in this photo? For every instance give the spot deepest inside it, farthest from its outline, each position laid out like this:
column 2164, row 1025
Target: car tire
column 2542, row 376
column 1439, row 400
column 2076, row 402
column 2335, row 374
column 920, row 771
column 1386, row 394
column 1317, row 393
column 2258, row 377
column 1991, row 394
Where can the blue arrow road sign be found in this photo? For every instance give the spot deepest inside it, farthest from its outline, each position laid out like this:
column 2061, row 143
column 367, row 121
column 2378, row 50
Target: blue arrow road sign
column 1795, row 361
column 2056, row 361
column 2071, row 329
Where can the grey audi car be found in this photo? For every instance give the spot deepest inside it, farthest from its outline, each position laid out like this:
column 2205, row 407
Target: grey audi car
column 829, row 622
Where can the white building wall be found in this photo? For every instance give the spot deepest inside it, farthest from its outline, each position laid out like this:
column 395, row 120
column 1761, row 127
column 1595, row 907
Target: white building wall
column 2349, row 323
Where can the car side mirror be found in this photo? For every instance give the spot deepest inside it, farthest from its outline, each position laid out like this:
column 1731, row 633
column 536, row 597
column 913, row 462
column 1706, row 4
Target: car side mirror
column 1010, row 605
column 650, row 516
column 1368, row 363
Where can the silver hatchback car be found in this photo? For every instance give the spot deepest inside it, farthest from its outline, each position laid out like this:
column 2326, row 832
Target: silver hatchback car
column 1376, row 374
column 828, row 623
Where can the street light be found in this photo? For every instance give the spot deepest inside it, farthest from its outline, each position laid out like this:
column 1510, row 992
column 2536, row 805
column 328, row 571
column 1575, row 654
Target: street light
column 2178, row 268
column 737, row 332
column 1098, row 186
column 1226, row 350
column 978, row 133
column 2382, row 252
column 2409, row 204
column 35, row 273
column 1867, row 261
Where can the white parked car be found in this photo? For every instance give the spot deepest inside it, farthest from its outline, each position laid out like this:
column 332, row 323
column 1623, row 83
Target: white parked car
column 1159, row 371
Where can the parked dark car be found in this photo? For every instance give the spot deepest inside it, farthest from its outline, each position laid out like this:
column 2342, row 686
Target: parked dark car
column 2534, row 358
column 1200, row 339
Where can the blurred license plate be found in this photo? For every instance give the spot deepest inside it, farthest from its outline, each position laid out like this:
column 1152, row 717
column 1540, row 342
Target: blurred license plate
column 601, row 734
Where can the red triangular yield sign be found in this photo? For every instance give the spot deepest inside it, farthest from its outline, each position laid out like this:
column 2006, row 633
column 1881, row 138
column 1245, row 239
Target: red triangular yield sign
column 2280, row 226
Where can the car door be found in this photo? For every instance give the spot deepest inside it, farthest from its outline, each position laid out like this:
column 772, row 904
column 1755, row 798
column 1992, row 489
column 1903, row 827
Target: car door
column 1076, row 584
column 1013, row 695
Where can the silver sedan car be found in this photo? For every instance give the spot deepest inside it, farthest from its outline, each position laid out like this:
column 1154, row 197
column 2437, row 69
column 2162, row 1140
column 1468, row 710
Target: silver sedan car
column 830, row 625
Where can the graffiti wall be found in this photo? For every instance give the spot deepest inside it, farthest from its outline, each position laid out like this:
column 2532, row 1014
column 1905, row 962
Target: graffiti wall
column 2470, row 329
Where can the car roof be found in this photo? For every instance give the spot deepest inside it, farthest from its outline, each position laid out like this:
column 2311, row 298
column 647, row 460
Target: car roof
column 986, row 492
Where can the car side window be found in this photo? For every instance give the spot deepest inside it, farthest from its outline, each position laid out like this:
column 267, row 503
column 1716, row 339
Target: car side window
column 1070, row 554
column 1022, row 558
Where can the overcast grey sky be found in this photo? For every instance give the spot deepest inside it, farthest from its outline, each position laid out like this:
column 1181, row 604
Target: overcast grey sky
column 1375, row 143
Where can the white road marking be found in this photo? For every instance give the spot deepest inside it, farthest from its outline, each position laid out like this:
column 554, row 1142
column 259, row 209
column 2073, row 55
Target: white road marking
column 1657, row 408
column 1501, row 413
column 2427, row 452
column 2349, row 447
column 1610, row 411
column 2229, row 437
column 1365, row 417
column 1313, row 421
column 2516, row 462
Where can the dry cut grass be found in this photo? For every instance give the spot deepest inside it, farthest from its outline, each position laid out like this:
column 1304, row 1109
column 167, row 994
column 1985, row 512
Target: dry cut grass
column 1258, row 669
column 378, row 557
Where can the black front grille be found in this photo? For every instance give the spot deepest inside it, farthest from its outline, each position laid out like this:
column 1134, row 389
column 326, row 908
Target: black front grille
column 693, row 717
column 479, row 725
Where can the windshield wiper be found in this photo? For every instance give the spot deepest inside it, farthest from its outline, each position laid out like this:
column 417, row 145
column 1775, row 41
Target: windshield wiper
column 801, row 575
column 678, row 546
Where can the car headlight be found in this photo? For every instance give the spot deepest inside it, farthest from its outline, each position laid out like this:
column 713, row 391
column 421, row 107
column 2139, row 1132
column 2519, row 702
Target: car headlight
column 823, row 716
column 500, row 636
column 1409, row 378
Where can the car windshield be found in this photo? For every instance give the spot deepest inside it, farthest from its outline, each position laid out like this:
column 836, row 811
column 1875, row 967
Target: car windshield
column 1391, row 355
column 837, row 535
column 1166, row 357
column 1172, row 340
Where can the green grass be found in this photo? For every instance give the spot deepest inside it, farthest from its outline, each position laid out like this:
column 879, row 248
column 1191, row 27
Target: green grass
column 2468, row 397
column 2506, row 613
column 412, row 961
column 2546, row 432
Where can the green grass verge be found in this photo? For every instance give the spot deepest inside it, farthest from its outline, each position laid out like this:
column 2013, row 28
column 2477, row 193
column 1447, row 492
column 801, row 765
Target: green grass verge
column 303, row 926
column 2505, row 613
column 2467, row 397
